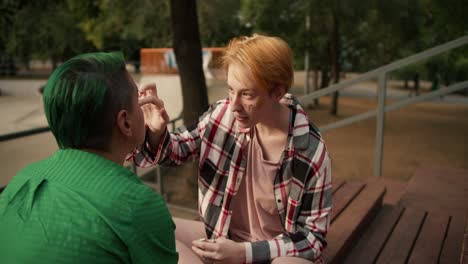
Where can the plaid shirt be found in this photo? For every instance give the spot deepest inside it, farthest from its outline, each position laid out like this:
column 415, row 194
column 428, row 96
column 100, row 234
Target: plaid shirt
column 302, row 185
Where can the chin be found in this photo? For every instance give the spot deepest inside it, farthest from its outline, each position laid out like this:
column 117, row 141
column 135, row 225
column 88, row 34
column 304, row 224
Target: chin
column 244, row 125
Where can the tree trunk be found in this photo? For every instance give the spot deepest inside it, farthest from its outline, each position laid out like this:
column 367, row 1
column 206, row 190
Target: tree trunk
column 416, row 84
column 54, row 63
column 316, row 86
column 187, row 49
column 335, row 62
column 325, row 80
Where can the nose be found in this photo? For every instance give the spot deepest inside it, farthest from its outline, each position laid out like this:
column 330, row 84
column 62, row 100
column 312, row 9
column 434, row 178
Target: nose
column 235, row 103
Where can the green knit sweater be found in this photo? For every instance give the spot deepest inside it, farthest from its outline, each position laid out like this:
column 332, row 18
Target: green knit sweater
column 78, row 207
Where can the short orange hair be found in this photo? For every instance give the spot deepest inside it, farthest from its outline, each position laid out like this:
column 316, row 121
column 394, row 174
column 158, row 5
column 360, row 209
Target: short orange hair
column 269, row 59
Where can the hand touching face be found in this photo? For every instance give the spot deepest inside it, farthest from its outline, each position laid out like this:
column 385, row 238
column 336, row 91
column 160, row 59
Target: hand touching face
column 155, row 115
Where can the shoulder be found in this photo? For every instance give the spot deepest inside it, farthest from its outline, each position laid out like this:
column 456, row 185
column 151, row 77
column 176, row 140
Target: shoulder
column 305, row 134
column 217, row 108
column 148, row 214
column 219, row 113
column 144, row 202
column 19, row 183
column 308, row 142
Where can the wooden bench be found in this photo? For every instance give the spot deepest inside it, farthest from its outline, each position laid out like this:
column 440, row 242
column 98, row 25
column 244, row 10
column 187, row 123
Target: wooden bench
column 364, row 230
column 354, row 206
column 427, row 225
column 408, row 235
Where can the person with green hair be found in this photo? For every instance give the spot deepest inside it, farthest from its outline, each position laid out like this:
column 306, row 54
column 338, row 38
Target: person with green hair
column 81, row 205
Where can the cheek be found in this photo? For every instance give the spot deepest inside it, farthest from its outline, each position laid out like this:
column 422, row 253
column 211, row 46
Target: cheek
column 253, row 106
column 249, row 107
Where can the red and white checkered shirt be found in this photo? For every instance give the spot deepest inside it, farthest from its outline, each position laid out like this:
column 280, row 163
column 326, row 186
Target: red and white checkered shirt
column 302, row 184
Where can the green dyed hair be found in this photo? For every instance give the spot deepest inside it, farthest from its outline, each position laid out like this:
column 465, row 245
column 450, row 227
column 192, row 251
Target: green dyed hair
column 82, row 98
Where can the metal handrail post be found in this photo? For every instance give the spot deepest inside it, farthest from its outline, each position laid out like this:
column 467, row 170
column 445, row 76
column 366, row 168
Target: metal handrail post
column 159, row 178
column 380, row 122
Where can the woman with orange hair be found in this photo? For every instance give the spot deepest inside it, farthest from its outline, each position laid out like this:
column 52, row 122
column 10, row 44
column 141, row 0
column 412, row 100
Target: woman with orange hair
column 264, row 170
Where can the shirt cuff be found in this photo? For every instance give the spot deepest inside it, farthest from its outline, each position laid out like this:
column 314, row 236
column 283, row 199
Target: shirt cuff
column 248, row 252
column 261, row 251
column 159, row 149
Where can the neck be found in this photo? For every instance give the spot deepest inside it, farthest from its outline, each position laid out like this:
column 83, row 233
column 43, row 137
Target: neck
column 115, row 156
column 277, row 122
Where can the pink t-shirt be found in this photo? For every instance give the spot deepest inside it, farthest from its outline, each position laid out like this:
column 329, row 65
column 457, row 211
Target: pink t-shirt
column 255, row 216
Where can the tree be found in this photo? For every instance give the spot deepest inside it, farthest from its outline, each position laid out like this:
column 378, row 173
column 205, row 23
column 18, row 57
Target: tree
column 281, row 18
column 123, row 25
column 187, row 49
column 219, row 22
column 324, row 41
column 44, row 30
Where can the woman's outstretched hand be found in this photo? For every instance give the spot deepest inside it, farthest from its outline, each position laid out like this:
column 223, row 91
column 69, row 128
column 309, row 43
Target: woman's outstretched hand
column 156, row 117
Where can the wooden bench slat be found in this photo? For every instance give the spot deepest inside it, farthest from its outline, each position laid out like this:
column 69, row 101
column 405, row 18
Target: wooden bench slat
column 344, row 196
column 372, row 241
column 429, row 242
column 349, row 224
column 452, row 248
column 398, row 246
column 337, row 185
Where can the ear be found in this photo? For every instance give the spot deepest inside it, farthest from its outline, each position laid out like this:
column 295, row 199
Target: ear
column 279, row 92
column 123, row 123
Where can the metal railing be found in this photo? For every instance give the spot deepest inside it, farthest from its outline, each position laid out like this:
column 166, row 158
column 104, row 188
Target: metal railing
column 23, row 133
column 380, row 75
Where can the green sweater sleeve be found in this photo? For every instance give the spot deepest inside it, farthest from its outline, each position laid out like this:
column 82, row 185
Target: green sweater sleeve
column 152, row 238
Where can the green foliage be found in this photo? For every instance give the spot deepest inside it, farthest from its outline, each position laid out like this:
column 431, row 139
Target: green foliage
column 449, row 68
column 124, row 25
column 57, row 30
column 461, row 73
column 282, row 18
column 219, row 21
column 43, row 30
column 408, row 72
column 370, row 33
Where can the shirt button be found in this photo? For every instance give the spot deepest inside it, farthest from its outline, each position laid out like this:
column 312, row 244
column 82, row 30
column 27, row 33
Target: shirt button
column 279, row 200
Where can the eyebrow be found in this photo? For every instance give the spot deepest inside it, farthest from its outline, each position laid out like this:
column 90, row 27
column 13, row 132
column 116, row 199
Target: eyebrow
column 242, row 89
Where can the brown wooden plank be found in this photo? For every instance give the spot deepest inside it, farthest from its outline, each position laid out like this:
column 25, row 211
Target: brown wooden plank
column 445, row 188
column 398, row 246
column 430, row 239
column 372, row 241
column 337, row 184
column 344, row 196
column 452, row 248
column 349, row 224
